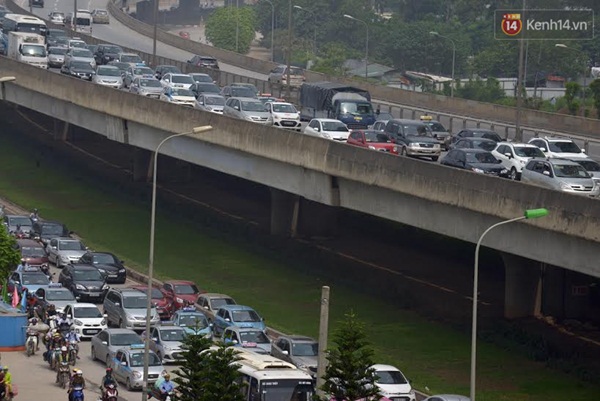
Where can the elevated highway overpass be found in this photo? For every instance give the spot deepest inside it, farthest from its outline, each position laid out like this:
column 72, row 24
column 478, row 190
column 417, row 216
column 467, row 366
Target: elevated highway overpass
column 458, row 204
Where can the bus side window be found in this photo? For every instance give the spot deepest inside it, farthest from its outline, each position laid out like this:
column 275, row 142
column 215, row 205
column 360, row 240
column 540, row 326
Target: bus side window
column 254, row 395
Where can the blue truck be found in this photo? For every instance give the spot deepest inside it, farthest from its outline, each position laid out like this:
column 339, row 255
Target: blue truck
column 349, row 104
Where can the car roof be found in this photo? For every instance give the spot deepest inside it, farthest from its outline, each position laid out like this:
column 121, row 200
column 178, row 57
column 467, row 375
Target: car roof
column 330, row 120
column 469, row 150
column 29, row 242
column 66, row 239
column 169, row 327
column 51, row 222
column 128, row 290
column 408, row 121
column 83, row 305
column 236, row 307
column 299, row 338
column 211, row 295
column 119, row 331
column 384, row 367
column 281, row 103
column 556, row 139
column 179, row 282
column 83, row 266
column 476, row 139
column 562, row 162
column 520, row 144
column 245, row 99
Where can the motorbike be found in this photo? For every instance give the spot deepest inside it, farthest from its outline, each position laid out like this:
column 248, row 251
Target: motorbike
column 53, row 360
column 64, row 376
column 158, row 395
column 32, row 342
column 77, row 394
column 73, row 351
column 110, row 393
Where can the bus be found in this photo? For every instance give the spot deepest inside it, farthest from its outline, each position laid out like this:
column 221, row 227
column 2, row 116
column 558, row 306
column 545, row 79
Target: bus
column 24, row 23
column 266, row 378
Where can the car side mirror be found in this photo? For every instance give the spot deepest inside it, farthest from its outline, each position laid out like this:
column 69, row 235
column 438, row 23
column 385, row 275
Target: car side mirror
column 318, row 129
column 285, row 352
column 104, row 343
column 123, row 363
column 236, row 107
column 234, row 342
column 206, row 307
column 546, row 172
column 227, row 319
column 498, row 161
column 543, row 149
column 105, row 316
column 154, row 339
column 117, row 304
column 582, row 150
column 508, row 154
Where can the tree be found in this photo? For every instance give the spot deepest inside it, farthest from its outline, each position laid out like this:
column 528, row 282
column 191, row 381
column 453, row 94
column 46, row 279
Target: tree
column 595, row 89
column 222, row 24
column 9, row 256
column 207, row 374
column 571, row 90
column 349, row 376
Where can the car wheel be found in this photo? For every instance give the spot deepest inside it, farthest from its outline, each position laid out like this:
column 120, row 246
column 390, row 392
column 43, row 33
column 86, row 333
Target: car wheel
column 93, row 354
column 513, row 174
column 435, row 158
column 128, row 384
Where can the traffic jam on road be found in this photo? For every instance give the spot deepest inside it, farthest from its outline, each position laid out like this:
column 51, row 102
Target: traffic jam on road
column 326, row 110
column 80, row 299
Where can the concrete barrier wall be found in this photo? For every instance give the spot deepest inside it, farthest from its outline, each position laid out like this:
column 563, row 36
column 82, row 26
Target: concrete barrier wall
column 570, row 214
column 531, row 118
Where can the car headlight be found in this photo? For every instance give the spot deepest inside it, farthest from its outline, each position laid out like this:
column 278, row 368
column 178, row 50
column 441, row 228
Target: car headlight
column 523, row 162
column 395, row 149
column 179, row 300
column 103, row 322
column 436, row 146
column 64, row 258
column 121, row 270
column 372, row 147
column 564, row 185
column 78, row 322
column 137, row 374
column 249, row 118
column 105, row 287
column 102, row 271
column 166, row 348
column 413, row 145
column 477, row 170
column 80, row 287
column 326, row 135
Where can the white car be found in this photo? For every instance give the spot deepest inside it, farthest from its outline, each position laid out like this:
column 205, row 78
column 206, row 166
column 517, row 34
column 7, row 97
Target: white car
column 283, row 115
column 559, row 147
column 108, row 75
column 171, row 80
column 392, row 383
column 57, row 17
column 181, row 96
column 514, row 156
column 87, row 319
column 76, row 42
column 210, row 102
column 328, row 128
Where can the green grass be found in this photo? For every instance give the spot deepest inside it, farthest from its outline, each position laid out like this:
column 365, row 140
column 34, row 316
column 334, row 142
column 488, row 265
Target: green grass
column 430, row 353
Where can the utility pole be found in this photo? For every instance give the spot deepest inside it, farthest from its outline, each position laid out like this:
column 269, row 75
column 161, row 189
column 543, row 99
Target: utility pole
column 323, row 334
column 519, row 132
column 288, row 93
column 74, row 19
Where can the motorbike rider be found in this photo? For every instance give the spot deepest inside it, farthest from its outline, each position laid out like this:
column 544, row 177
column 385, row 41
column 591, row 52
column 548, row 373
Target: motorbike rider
column 34, row 216
column 19, row 233
column 6, row 381
column 166, row 387
column 54, row 341
column 63, row 323
column 74, row 339
column 51, row 311
column 77, row 380
column 188, row 307
column 32, row 329
column 157, row 384
column 107, row 380
column 21, row 266
column 65, row 358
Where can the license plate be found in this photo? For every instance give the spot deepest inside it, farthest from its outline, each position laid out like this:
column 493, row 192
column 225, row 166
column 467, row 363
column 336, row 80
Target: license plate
column 93, row 331
column 113, row 275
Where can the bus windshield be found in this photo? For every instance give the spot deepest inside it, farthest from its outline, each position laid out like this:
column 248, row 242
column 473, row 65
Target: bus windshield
column 286, row 390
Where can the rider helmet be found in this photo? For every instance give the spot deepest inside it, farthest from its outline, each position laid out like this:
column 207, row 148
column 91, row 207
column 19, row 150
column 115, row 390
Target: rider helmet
column 79, row 372
column 22, row 260
column 108, row 370
column 167, row 376
column 34, row 320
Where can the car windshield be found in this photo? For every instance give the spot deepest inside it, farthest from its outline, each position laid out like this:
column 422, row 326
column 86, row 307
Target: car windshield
column 207, row 87
column 156, row 294
column 82, row 65
column 131, row 58
column 437, row 127
column 202, row 78
column 170, row 68
column 239, row 91
column 182, row 79
column 193, row 320
column 87, row 275
column 57, row 50
column 19, row 220
column 186, row 289
column 208, row 60
column 172, row 335
column 101, row 12
column 570, row 171
column 254, row 336
column 33, row 252
column 59, row 295
column 87, row 312
column 214, row 100
column 33, row 50
column 82, row 53
column 182, row 92
column 135, row 302
column 564, row 147
column 284, row 108
column 103, row 259
column 336, row 126
column 143, row 71
column 527, row 151
column 488, row 135
column 126, row 339
column 417, row 130
column 78, row 44
column 480, row 157
column 71, row 246
column 150, row 83
column 112, row 49
column 253, row 106
column 295, row 71
column 35, row 279
column 216, row 303
column 137, row 359
column 52, row 229
column 245, row 316
column 305, row 349
column 485, row 145
column 377, row 137
column 357, row 108
column 390, row 377
column 589, row 165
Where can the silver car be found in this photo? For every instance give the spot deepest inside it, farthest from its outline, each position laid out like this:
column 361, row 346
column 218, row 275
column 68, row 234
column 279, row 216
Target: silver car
column 56, row 295
column 106, row 343
column 137, row 72
column 126, row 307
column 80, row 54
column 166, row 342
column 108, row 75
column 56, row 56
column 128, row 367
column 241, row 336
column 149, row 87
column 248, row 109
column 298, row 350
column 211, row 102
column 210, row 302
column 562, row 175
column 64, row 250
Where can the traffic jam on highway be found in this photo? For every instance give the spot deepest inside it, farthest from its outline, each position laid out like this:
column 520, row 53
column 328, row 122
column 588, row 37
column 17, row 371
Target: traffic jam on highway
column 80, row 299
column 326, row 110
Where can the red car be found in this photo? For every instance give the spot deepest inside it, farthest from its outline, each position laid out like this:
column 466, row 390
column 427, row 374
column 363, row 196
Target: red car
column 375, row 140
column 179, row 291
column 163, row 304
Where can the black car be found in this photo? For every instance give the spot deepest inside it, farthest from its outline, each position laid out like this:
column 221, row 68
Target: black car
column 205, row 87
column 414, row 138
column 79, row 69
column 108, row 264
column 476, row 160
column 473, row 133
column 44, row 231
column 165, row 69
column 106, row 53
column 204, row 61
column 237, row 91
column 475, row 143
column 84, row 281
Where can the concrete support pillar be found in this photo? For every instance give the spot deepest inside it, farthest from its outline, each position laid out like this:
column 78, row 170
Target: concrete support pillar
column 285, row 208
column 522, row 288
column 61, row 133
column 141, row 158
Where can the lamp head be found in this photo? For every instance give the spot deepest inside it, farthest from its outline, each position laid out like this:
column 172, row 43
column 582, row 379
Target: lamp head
column 561, row 45
column 7, row 79
column 434, row 33
column 348, row 16
column 298, row 7
column 535, row 213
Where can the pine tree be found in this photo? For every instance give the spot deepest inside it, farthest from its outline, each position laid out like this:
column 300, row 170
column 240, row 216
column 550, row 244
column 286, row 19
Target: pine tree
column 190, row 376
column 349, row 376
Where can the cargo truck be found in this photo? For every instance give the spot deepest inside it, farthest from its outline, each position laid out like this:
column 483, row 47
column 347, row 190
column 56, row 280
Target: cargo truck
column 28, row 48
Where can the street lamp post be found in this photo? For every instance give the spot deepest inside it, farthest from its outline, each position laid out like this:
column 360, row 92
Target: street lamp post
column 529, row 214
column 315, row 27
column 155, row 34
column 272, row 26
column 563, row 46
column 433, row 33
column 366, row 45
column 237, row 26
column 196, row 130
